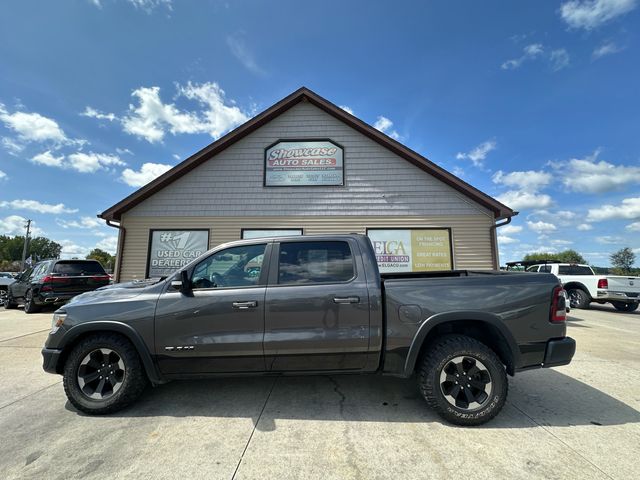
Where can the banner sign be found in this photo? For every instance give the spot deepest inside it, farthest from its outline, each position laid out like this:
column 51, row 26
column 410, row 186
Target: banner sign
column 412, row 250
column 304, row 163
column 170, row 250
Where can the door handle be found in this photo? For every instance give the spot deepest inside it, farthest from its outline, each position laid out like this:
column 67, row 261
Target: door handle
column 346, row 299
column 245, row 305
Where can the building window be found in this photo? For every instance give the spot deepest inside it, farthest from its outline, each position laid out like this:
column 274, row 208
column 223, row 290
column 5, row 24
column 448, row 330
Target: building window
column 249, row 233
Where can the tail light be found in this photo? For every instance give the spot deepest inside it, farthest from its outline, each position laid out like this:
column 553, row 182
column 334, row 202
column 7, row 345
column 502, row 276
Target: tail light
column 100, row 278
column 52, row 279
column 603, row 283
column 558, row 306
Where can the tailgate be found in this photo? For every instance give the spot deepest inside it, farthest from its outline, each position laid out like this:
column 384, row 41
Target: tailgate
column 628, row 285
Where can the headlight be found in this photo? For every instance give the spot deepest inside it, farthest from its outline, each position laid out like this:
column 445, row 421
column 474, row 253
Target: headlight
column 57, row 321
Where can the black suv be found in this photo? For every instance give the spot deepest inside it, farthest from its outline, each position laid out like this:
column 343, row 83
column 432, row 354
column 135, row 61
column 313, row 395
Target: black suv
column 54, row 282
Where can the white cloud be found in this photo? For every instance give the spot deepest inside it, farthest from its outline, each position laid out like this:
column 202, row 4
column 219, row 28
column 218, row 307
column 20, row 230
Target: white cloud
column 529, row 180
column 530, row 52
column 33, row 127
column 478, row 154
column 36, row 206
column 93, row 113
column 3, row 175
column 92, row 162
column 510, row 229
column 148, row 172
column 590, row 176
column 47, row 158
column 520, row 200
column 347, row 109
column 583, row 227
column 240, row 50
column 559, row 59
column 590, row 14
column 16, row 225
column 151, row 118
column 150, row 5
column 385, row 126
column 607, row 48
column 108, row 244
column 505, row 240
column 609, row 240
column 11, row 146
column 72, row 250
column 629, row 209
column 541, row 227
column 557, row 241
column 633, row 227
column 83, row 222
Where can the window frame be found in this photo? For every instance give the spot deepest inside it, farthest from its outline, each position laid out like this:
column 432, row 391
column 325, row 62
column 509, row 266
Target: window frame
column 274, row 266
column 264, row 269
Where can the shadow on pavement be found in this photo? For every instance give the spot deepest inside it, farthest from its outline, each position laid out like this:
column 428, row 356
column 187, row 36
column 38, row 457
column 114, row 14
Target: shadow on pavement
column 609, row 308
column 546, row 397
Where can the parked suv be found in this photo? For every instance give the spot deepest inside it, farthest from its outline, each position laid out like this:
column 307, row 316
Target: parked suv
column 54, row 282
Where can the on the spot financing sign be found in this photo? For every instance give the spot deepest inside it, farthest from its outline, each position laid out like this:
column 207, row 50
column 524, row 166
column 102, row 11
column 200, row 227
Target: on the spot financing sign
column 411, row 250
column 292, row 164
column 171, row 250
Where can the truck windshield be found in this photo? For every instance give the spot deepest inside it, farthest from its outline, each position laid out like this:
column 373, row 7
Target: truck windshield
column 574, row 270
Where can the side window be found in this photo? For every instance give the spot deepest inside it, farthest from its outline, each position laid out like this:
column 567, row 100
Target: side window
column 545, row 268
column 233, row 267
column 534, row 268
column 38, row 271
column 315, row 262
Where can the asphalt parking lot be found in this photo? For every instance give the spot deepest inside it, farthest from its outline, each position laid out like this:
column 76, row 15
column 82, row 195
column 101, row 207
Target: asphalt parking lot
column 579, row 421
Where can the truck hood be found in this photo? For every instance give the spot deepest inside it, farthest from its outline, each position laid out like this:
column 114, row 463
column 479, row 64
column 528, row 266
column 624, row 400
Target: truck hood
column 117, row 291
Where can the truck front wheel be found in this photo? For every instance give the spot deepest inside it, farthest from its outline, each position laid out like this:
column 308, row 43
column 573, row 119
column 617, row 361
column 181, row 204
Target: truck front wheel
column 578, row 298
column 103, row 374
column 463, row 380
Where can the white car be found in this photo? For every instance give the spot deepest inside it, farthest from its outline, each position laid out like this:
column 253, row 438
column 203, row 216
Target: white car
column 584, row 286
column 6, row 279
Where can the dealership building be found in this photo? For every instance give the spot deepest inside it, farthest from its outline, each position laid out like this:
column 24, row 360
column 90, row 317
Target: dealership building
column 305, row 166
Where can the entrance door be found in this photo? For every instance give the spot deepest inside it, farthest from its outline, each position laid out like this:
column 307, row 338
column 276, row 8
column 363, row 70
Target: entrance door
column 317, row 309
column 219, row 326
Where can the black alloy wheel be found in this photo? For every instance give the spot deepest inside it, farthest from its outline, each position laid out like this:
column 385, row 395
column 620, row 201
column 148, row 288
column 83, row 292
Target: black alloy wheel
column 30, row 304
column 465, row 382
column 101, row 374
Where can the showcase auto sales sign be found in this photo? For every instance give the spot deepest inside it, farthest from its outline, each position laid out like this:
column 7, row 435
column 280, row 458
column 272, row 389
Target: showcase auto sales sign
column 304, row 163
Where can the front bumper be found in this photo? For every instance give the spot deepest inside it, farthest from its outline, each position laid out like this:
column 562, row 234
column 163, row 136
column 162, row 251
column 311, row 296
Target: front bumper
column 559, row 352
column 50, row 359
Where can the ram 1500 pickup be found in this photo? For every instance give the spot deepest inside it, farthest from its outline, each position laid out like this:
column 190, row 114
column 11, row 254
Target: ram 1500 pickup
column 311, row 305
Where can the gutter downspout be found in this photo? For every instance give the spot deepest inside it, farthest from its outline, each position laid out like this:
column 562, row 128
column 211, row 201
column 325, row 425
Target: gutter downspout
column 119, row 251
column 494, row 242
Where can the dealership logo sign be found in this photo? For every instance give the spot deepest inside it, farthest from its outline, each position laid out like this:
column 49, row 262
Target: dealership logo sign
column 304, row 163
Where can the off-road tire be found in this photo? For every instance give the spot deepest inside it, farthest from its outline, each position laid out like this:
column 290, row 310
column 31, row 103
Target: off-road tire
column 578, row 298
column 30, row 304
column 133, row 384
column 625, row 306
column 440, row 353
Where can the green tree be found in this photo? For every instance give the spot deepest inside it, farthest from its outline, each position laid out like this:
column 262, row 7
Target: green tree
column 39, row 248
column 623, row 260
column 105, row 258
column 567, row 256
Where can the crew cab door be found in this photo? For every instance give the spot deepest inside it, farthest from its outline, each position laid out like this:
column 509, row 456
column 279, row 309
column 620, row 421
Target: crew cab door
column 217, row 326
column 317, row 307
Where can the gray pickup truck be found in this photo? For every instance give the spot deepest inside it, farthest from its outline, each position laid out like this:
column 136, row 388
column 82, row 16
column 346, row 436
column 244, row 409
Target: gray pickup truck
column 311, row 305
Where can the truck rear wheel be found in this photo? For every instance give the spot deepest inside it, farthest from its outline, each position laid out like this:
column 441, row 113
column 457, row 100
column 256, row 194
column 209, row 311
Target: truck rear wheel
column 625, row 306
column 103, row 374
column 578, row 298
column 463, row 380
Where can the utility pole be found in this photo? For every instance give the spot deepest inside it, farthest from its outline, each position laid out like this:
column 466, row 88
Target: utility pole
column 26, row 243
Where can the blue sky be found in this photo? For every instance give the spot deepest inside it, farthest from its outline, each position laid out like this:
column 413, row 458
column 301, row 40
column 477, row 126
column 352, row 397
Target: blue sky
column 535, row 103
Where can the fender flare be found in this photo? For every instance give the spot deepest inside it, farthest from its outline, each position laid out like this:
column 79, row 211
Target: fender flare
column 579, row 285
column 118, row 327
column 474, row 316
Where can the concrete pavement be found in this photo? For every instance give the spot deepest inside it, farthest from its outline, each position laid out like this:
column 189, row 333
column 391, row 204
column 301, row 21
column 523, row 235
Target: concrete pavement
column 579, row 421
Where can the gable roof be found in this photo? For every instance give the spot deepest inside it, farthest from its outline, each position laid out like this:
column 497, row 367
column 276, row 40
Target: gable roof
column 304, row 94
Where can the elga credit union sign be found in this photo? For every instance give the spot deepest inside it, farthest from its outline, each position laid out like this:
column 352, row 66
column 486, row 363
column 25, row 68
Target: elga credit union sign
column 170, row 250
column 304, row 163
column 411, row 250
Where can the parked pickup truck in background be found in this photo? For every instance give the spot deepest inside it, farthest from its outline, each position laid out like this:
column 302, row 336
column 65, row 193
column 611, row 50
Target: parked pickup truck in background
column 583, row 286
column 311, row 305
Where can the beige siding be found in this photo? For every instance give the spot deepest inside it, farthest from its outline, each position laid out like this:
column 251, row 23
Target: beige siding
column 471, row 233
column 377, row 182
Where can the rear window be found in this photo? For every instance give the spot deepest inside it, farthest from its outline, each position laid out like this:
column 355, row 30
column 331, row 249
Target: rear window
column 78, row 268
column 574, row 270
column 315, row 262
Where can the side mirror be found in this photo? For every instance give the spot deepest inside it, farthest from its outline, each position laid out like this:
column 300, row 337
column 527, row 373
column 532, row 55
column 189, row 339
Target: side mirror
column 184, row 284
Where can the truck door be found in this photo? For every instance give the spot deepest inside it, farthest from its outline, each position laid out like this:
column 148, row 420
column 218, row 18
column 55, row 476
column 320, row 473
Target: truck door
column 219, row 326
column 316, row 308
